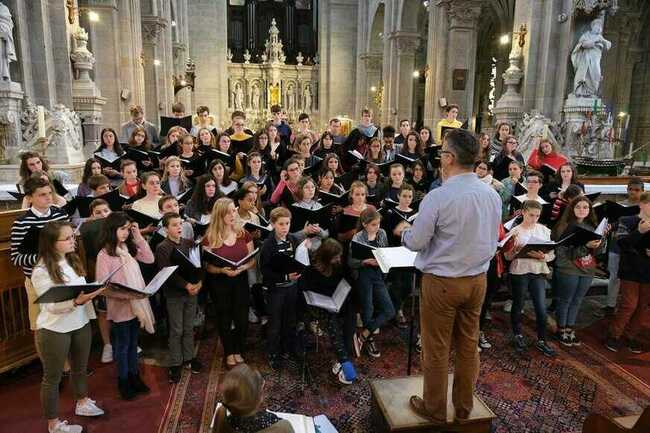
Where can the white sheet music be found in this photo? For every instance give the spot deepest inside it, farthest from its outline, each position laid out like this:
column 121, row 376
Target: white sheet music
column 302, row 253
column 332, row 304
column 300, row 423
column 160, row 278
column 600, row 230
column 324, row 425
column 394, row 257
column 508, row 225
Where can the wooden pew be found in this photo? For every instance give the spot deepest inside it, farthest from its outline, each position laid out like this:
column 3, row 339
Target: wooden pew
column 16, row 339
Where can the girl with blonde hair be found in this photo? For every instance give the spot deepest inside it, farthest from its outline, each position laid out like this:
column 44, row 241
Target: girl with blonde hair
column 228, row 286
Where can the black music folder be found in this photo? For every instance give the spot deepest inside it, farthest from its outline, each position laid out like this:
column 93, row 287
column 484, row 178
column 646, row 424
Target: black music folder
column 167, row 123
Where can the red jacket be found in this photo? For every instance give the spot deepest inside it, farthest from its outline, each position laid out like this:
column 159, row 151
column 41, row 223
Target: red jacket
column 555, row 160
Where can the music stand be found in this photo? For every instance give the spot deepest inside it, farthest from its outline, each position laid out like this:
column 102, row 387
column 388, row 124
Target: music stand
column 402, row 258
column 414, row 295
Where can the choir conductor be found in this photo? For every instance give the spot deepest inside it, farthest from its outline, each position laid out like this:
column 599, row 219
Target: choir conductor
column 455, row 236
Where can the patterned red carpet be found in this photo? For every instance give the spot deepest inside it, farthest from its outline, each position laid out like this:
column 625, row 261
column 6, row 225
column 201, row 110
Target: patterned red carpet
column 529, row 393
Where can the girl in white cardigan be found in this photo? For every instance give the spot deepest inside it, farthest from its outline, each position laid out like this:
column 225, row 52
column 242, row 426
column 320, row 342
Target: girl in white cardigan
column 63, row 328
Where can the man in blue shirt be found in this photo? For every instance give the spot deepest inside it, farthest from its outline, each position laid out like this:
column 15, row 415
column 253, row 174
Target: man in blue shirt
column 455, row 236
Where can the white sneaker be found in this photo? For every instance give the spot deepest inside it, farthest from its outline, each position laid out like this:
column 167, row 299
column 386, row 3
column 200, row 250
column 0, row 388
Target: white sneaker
column 88, row 408
column 264, row 320
column 107, row 354
column 337, row 370
column 507, row 306
column 64, row 427
column 139, row 350
column 375, row 332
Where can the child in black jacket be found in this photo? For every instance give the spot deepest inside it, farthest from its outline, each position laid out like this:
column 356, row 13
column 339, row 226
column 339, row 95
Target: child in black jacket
column 282, row 288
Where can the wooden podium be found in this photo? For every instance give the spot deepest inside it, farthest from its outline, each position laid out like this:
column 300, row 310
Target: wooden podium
column 391, row 411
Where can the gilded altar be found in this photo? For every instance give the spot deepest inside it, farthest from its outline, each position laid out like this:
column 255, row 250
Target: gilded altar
column 258, row 83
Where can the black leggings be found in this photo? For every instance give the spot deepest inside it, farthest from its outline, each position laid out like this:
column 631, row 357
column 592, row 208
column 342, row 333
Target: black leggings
column 230, row 298
column 492, row 287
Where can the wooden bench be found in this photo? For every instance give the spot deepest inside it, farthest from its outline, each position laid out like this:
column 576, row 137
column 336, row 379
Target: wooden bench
column 391, row 412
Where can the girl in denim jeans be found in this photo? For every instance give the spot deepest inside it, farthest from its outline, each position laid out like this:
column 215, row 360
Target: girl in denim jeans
column 575, row 267
column 529, row 274
column 371, row 285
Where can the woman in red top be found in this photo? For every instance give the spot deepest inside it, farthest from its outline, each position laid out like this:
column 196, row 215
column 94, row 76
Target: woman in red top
column 545, row 154
column 284, row 193
column 227, row 286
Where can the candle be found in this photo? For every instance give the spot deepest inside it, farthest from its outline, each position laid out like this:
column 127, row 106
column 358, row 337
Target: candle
column 545, row 133
column 41, row 121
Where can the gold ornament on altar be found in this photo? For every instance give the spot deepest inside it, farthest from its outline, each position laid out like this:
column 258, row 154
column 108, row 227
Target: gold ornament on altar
column 274, row 94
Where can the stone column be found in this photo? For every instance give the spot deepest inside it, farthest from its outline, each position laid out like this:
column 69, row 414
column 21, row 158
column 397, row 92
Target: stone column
column 398, row 81
column 437, row 40
column 372, row 79
column 86, row 97
column 209, row 37
column 157, row 71
column 461, row 53
column 337, row 37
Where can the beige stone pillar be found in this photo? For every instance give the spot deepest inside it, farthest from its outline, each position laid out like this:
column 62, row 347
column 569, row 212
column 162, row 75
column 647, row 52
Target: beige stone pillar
column 437, row 40
column 337, row 50
column 158, row 66
column 461, row 53
column 208, row 48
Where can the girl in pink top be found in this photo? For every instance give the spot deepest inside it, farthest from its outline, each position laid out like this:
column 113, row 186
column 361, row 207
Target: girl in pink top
column 124, row 246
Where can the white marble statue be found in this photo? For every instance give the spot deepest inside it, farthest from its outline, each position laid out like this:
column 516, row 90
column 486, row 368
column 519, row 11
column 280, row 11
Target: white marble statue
column 255, row 97
column 586, row 58
column 307, row 99
column 7, row 47
column 534, row 127
column 66, row 128
column 238, row 97
column 291, row 98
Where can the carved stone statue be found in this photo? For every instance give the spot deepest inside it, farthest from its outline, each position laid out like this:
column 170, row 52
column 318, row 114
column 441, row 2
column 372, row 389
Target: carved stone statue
column 7, row 136
column 255, row 97
column 291, row 98
column 238, row 97
column 534, row 127
column 307, row 99
column 586, row 58
column 82, row 58
column 28, row 120
column 7, row 47
column 66, row 128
